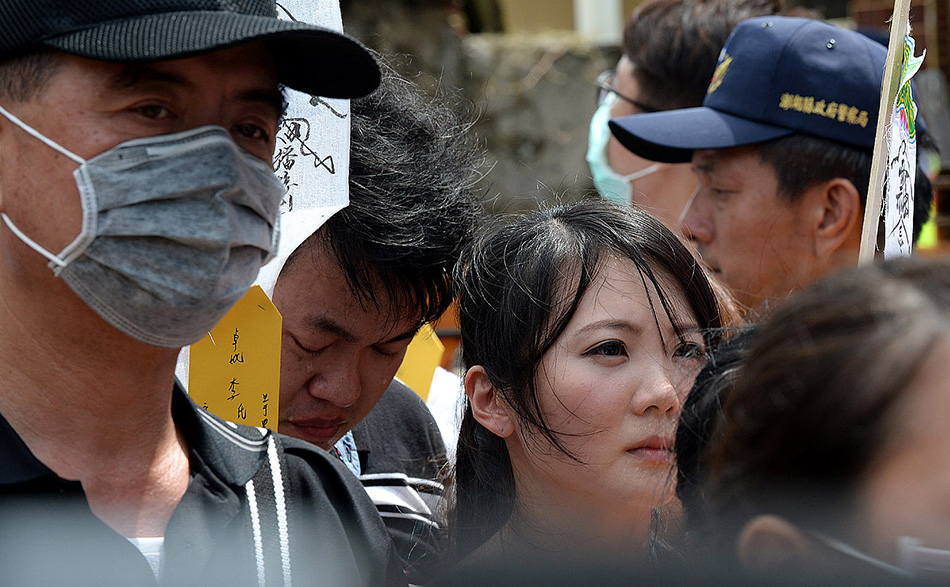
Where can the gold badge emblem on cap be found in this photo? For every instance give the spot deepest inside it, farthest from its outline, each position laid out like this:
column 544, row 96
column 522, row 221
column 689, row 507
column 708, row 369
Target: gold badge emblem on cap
column 720, row 73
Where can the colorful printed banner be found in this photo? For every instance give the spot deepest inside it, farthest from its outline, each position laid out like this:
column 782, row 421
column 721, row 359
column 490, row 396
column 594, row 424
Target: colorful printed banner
column 902, row 161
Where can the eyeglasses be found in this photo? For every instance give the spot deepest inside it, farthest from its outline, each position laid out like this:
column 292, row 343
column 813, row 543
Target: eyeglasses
column 605, row 85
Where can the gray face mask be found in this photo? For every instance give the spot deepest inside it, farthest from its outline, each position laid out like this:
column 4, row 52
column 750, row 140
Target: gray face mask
column 175, row 229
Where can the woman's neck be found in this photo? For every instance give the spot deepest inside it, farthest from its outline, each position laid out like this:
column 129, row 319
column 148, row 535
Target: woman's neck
column 573, row 528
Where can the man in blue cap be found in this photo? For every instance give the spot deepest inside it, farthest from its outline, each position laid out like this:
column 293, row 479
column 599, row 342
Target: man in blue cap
column 782, row 150
column 138, row 204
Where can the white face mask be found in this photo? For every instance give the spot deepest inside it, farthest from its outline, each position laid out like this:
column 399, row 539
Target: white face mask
column 175, row 228
column 609, row 184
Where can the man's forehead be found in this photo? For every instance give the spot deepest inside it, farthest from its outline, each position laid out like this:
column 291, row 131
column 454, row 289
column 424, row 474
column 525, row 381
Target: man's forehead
column 387, row 328
column 710, row 160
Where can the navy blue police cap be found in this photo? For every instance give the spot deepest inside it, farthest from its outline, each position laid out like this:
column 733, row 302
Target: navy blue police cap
column 776, row 76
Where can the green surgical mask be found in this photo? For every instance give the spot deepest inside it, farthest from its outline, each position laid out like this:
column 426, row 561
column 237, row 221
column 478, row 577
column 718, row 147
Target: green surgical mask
column 610, row 185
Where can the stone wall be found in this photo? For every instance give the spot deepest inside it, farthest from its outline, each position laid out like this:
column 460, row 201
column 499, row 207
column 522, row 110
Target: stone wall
column 537, row 95
column 534, row 94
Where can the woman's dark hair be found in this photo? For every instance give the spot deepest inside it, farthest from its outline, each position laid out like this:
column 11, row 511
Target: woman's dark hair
column 519, row 286
column 813, row 402
column 698, row 420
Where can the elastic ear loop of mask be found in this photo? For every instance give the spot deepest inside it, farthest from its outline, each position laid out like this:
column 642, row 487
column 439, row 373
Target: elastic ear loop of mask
column 642, row 173
column 62, row 150
column 854, row 552
column 34, row 133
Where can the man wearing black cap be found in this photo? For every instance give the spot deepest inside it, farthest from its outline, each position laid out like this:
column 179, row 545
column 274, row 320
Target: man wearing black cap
column 135, row 148
column 782, row 150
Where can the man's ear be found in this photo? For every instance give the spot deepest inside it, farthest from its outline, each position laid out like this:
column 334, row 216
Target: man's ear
column 488, row 407
column 769, row 545
column 838, row 215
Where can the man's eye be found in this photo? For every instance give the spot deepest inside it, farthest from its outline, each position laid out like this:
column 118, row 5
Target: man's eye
column 306, row 349
column 388, row 351
column 251, row 131
column 610, row 348
column 153, row 111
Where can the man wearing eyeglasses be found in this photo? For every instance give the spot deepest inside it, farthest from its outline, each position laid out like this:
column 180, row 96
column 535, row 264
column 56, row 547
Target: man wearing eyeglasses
column 670, row 49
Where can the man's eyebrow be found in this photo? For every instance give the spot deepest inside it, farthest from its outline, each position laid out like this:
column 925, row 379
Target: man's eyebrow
column 407, row 335
column 273, row 99
column 133, row 75
column 327, row 325
column 706, row 166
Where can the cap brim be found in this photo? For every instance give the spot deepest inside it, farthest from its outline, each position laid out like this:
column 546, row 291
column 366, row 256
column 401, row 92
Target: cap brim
column 671, row 136
column 309, row 58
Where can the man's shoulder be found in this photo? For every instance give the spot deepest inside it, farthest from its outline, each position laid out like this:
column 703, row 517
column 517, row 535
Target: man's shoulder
column 400, row 435
column 238, row 453
column 329, row 516
column 400, row 412
column 400, row 398
column 247, row 449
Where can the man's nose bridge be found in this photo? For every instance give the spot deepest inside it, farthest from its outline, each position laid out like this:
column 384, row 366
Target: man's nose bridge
column 681, row 222
column 338, row 381
column 694, row 222
column 204, row 112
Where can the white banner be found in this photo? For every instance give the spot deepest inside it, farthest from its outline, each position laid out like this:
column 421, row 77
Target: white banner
column 902, row 162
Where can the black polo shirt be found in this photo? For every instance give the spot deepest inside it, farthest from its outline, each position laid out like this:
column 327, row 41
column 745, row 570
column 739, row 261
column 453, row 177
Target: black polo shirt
column 402, row 462
column 333, row 535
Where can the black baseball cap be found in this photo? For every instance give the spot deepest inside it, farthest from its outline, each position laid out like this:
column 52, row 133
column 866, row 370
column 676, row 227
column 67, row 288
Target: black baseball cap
column 309, row 58
column 776, row 76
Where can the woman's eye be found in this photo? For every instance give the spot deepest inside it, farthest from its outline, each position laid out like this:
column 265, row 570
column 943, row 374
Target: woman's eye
column 689, row 350
column 610, row 348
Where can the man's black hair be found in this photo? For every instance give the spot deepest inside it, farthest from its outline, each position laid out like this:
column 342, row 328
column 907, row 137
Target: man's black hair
column 801, row 161
column 674, row 45
column 413, row 206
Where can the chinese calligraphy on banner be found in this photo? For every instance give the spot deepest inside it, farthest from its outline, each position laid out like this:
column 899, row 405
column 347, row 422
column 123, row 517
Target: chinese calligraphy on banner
column 902, row 161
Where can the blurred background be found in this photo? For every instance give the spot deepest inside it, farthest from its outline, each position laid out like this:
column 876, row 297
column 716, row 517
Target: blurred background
column 527, row 69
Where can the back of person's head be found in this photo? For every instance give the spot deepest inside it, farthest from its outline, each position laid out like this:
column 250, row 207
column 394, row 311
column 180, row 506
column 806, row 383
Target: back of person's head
column 413, row 202
column 820, row 399
column 674, row 45
column 519, row 286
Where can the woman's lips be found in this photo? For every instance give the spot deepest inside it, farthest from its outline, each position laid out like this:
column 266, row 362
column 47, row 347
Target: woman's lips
column 656, row 449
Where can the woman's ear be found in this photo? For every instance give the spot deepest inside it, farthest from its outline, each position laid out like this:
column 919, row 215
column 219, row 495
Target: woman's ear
column 769, row 545
column 488, row 407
